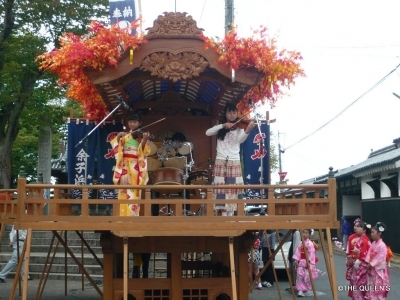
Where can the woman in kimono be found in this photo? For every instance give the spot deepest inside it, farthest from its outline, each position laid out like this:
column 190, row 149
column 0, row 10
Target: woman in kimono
column 131, row 165
column 303, row 281
column 377, row 264
column 358, row 265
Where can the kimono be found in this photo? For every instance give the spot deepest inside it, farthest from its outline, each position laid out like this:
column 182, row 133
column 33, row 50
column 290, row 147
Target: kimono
column 379, row 273
column 358, row 272
column 349, row 253
column 303, row 281
column 130, row 169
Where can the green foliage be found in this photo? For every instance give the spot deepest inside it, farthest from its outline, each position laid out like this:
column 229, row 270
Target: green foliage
column 30, row 99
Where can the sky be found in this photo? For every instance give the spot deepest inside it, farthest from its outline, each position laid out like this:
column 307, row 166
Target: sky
column 347, row 47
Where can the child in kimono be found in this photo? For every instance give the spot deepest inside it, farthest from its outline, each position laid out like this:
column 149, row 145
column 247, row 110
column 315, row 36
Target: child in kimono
column 349, row 251
column 357, row 264
column 131, row 165
column 303, row 281
column 376, row 260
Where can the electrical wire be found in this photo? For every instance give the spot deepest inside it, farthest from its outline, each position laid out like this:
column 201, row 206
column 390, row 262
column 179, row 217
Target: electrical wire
column 340, row 113
column 204, row 5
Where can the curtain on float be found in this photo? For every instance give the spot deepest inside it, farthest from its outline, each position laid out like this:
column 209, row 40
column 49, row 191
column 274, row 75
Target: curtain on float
column 252, row 151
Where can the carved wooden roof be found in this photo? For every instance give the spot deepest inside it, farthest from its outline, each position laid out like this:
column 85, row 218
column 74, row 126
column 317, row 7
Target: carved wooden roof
column 172, row 73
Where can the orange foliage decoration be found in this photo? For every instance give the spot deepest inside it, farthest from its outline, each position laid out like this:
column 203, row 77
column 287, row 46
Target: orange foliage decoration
column 278, row 68
column 101, row 47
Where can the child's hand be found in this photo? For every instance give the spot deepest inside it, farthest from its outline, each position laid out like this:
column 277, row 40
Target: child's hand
column 356, row 251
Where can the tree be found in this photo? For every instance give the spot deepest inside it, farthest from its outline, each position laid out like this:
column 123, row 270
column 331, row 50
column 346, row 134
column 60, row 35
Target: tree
column 29, row 27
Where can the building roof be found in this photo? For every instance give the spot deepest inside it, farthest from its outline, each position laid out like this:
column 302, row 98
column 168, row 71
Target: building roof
column 384, row 156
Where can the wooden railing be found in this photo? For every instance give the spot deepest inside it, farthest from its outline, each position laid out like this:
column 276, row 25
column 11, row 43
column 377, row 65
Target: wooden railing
column 283, row 206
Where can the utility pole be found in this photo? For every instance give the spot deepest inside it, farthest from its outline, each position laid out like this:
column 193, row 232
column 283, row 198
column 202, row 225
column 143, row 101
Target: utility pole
column 229, row 15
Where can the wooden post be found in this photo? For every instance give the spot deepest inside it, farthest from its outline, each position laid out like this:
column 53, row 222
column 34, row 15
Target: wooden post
column 125, row 241
column 243, row 280
column 233, row 271
column 25, row 256
column 332, row 264
column 21, row 195
column 327, row 261
column 108, row 276
column 176, row 276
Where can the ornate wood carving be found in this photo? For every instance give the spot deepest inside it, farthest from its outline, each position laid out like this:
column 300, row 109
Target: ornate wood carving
column 174, row 23
column 175, row 67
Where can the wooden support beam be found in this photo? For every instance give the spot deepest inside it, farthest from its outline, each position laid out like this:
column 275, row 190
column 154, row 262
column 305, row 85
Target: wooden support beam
column 78, row 263
column 326, row 258
column 232, row 267
column 26, row 256
column 125, row 240
column 332, row 264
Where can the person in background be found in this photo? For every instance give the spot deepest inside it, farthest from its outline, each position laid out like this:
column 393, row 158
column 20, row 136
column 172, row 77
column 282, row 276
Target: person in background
column 17, row 246
column 131, row 164
column 346, row 231
column 377, row 264
column 141, row 259
column 356, row 261
column 227, row 167
column 253, row 260
column 303, row 280
column 267, row 239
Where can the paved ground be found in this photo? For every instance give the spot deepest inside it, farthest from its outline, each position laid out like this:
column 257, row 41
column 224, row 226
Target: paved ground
column 55, row 289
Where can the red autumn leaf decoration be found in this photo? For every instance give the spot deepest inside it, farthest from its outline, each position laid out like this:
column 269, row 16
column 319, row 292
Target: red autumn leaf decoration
column 278, row 68
column 101, row 47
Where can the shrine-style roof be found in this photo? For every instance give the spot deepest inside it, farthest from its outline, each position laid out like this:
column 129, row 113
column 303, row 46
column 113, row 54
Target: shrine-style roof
column 172, row 73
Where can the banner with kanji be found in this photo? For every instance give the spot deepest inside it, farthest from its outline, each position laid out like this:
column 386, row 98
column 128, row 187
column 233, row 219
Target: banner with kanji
column 106, row 159
column 81, row 156
column 255, row 153
column 123, row 12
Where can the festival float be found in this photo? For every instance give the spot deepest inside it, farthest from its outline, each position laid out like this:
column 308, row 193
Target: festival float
column 178, row 80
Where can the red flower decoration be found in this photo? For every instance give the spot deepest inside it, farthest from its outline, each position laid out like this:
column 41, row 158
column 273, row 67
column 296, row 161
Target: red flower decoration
column 279, row 68
column 101, row 47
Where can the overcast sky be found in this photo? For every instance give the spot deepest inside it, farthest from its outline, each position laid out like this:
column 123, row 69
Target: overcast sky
column 348, row 46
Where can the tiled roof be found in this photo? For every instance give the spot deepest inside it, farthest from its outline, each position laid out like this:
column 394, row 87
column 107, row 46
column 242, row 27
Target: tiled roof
column 386, row 155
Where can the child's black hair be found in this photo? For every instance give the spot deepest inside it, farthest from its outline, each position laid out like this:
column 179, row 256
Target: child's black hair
column 380, row 227
column 366, row 227
column 134, row 117
column 222, row 132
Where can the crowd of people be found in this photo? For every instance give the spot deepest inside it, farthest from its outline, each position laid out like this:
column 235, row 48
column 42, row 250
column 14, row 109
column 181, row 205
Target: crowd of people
column 367, row 258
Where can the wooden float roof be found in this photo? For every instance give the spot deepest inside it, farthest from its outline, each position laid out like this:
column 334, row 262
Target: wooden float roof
column 172, row 73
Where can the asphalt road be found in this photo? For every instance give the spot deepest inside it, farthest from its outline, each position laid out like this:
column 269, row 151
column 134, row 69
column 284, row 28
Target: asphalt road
column 55, row 288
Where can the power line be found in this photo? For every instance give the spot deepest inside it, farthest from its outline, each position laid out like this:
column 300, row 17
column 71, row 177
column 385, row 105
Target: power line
column 204, row 5
column 335, row 117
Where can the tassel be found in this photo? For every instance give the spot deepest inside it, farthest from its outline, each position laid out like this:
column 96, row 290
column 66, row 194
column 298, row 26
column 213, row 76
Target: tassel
column 131, row 56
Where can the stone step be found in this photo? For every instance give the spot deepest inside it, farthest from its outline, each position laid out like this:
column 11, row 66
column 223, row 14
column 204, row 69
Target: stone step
column 44, row 248
column 40, row 258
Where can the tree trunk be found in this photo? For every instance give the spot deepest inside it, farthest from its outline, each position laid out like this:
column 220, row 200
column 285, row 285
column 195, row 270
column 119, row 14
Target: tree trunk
column 11, row 127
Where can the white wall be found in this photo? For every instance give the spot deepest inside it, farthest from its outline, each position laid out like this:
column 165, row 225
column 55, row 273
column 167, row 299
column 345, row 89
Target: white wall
column 351, row 205
column 366, row 191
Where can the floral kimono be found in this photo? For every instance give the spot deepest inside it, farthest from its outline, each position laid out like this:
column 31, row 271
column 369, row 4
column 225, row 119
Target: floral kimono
column 349, row 253
column 130, row 169
column 358, row 274
column 379, row 274
column 303, row 282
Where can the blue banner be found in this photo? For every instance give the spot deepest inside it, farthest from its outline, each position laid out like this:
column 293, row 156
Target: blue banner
column 123, row 12
column 105, row 159
column 254, row 150
column 80, row 155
